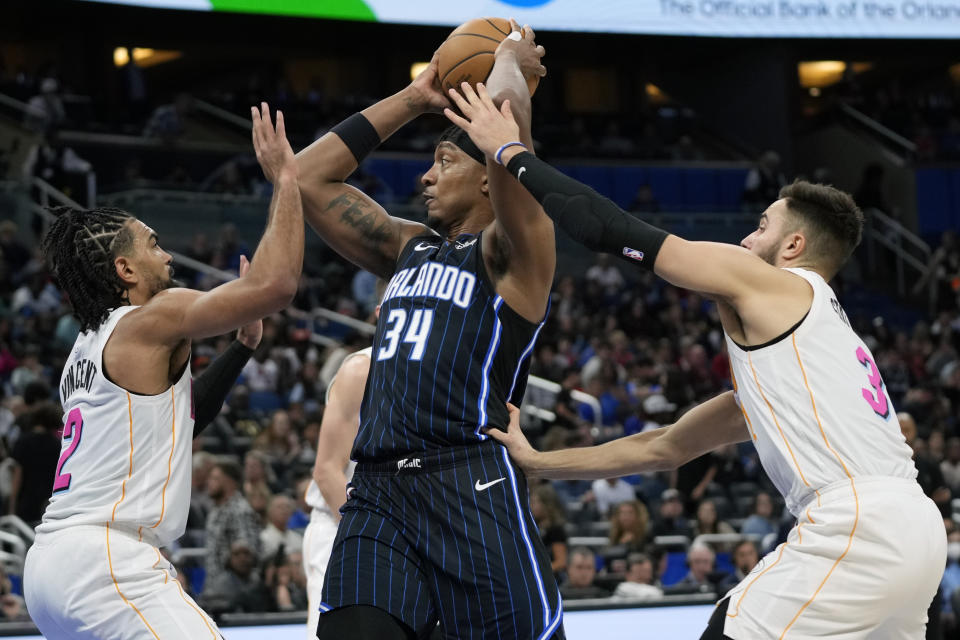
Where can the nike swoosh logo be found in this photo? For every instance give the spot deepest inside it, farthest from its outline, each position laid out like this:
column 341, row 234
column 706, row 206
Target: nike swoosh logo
column 520, row 172
column 487, row 485
column 424, row 246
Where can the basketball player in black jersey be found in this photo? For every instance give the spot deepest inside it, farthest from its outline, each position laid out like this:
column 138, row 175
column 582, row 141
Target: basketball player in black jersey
column 437, row 526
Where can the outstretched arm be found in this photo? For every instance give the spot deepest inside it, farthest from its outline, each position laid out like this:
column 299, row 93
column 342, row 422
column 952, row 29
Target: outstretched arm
column 521, row 230
column 176, row 314
column 347, row 219
column 708, row 426
column 719, row 270
column 341, row 419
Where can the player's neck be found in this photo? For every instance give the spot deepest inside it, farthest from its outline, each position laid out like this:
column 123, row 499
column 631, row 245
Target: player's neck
column 806, row 266
column 473, row 224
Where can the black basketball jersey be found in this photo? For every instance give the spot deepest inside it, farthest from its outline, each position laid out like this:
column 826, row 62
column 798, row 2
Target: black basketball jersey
column 447, row 356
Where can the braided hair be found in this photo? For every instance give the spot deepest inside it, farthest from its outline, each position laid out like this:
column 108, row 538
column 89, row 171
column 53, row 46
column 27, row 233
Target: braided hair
column 81, row 247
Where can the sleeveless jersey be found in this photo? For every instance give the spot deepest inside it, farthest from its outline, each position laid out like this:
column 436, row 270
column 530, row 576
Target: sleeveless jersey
column 447, row 355
column 816, row 406
column 314, row 497
column 124, row 458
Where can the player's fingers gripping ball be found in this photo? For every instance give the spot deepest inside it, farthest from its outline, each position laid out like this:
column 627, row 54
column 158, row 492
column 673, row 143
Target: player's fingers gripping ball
column 467, row 55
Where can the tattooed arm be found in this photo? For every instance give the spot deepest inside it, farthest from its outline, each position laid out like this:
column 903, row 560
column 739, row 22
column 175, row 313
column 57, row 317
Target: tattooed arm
column 347, row 219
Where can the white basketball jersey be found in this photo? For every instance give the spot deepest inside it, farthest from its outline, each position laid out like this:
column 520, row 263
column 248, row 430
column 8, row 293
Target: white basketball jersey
column 314, row 497
column 815, row 404
column 124, row 458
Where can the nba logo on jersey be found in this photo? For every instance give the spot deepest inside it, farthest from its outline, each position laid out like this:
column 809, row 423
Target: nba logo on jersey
column 633, row 254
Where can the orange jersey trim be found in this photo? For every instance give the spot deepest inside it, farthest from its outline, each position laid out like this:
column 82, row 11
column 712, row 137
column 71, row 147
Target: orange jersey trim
column 117, row 586
column 173, row 443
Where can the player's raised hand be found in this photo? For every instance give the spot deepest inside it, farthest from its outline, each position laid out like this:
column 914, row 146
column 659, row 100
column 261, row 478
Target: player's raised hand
column 249, row 334
column 487, row 126
column 522, row 43
column 270, row 143
column 425, row 93
column 516, row 443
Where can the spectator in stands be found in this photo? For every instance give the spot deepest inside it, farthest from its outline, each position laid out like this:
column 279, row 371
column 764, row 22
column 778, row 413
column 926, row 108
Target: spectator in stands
column 606, row 275
column 929, row 475
column 200, row 501
column 699, row 579
column 279, row 441
column 37, row 295
column 613, row 143
column 257, row 473
column 609, row 493
column 231, row 519
column 671, row 520
column 638, row 582
column 287, row 582
column 950, row 467
column 763, row 182
column 12, row 606
column 276, row 537
column 581, row 571
column 746, row 555
column 685, row 150
column 45, row 112
column 760, row 522
column 168, row 121
column 261, row 373
column 548, row 513
column 629, row 523
column 237, row 587
column 230, row 247
column 35, row 456
column 708, row 521
column 28, row 371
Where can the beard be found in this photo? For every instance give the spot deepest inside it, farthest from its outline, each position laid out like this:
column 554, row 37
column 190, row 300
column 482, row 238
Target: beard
column 159, row 284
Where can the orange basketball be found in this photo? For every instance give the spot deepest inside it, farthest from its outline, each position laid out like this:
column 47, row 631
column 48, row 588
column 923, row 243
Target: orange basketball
column 467, row 53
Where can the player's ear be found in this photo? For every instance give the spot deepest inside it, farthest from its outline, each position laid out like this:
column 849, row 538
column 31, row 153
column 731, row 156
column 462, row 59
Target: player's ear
column 485, row 185
column 125, row 270
column 796, row 244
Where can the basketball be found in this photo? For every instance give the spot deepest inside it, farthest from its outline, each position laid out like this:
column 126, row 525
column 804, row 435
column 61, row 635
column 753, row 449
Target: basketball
column 467, row 53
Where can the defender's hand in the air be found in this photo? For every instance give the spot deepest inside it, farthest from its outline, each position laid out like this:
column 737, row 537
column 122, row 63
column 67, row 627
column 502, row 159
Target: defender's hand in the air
column 526, row 50
column 518, row 446
column 273, row 150
column 487, row 126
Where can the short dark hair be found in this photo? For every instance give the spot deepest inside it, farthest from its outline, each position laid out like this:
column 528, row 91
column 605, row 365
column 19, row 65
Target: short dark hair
column 81, row 246
column 832, row 220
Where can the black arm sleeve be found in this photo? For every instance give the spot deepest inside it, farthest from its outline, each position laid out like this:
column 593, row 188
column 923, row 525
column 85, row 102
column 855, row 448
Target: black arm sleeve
column 210, row 389
column 589, row 218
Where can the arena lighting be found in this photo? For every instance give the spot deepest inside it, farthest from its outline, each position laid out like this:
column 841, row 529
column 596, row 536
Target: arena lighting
column 417, row 68
column 820, row 73
column 144, row 57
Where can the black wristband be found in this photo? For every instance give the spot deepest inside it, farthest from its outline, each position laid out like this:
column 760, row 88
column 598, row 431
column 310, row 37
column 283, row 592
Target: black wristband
column 211, row 387
column 589, row 218
column 359, row 135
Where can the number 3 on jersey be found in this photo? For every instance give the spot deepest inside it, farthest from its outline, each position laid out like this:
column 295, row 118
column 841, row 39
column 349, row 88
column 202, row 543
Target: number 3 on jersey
column 418, row 329
column 877, row 398
column 71, row 431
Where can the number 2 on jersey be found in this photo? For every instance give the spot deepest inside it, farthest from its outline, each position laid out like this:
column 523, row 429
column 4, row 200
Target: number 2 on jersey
column 421, row 321
column 71, row 431
column 877, row 398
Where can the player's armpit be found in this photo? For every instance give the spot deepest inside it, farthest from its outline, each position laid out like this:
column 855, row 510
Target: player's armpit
column 722, row 270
